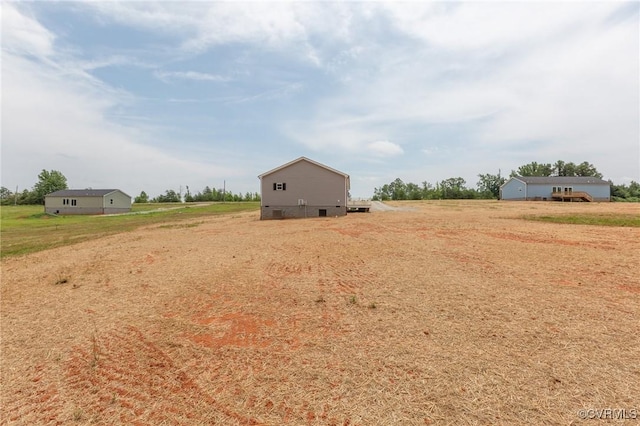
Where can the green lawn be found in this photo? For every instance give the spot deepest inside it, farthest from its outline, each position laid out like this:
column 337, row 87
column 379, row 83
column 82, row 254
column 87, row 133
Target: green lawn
column 27, row 229
column 591, row 219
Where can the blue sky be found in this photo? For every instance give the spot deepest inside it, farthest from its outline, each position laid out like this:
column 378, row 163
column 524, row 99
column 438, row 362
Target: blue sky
column 163, row 95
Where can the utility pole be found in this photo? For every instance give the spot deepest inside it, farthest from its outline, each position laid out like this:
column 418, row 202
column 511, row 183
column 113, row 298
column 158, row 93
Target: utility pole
column 15, row 197
column 224, row 190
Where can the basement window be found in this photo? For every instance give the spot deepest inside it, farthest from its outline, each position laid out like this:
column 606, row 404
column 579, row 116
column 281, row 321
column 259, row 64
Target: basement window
column 279, row 186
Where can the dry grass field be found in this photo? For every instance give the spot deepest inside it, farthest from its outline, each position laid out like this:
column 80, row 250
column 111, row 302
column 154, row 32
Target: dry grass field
column 443, row 313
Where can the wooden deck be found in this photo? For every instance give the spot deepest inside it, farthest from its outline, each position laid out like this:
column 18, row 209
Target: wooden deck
column 572, row 196
column 361, row 206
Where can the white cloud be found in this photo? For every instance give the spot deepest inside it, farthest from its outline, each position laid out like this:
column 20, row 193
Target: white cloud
column 158, row 17
column 55, row 117
column 189, row 75
column 581, row 96
column 565, row 84
column 385, row 149
column 492, row 27
column 544, row 80
column 22, row 34
column 53, row 124
column 270, row 25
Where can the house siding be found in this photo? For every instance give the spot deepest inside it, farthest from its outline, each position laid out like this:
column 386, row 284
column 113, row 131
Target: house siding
column 319, row 187
column 518, row 190
column 88, row 204
column 121, row 203
column 514, row 189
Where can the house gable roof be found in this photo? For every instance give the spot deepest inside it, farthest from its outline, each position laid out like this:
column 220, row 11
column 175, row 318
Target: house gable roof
column 560, row 180
column 83, row 193
column 290, row 163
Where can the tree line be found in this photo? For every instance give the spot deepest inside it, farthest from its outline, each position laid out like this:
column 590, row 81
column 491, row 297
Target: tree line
column 54, row 180
column 454, row 188
column 488, row 185
column 207, row 194
column 48, row 182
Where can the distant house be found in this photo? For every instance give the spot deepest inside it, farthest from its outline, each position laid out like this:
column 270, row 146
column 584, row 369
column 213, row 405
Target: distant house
column 303, row 188
column 557, row 188
column 87, row 201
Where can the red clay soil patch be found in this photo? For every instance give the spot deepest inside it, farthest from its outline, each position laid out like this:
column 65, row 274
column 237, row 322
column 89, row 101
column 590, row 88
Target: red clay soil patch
column 124, row 376
column 358, row 229
column 39, row 402
column 568, row 283
column 552, row 240
column 235, row 329
column 630, row 289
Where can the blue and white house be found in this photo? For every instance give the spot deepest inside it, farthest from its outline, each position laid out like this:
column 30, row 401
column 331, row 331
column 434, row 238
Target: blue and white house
column 555, row 188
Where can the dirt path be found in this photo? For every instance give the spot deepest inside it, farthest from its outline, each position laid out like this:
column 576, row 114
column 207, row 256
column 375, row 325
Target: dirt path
column 379, row 206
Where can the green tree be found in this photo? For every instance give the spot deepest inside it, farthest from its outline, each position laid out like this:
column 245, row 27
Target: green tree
column 413, row 191
column 448, row 188
column 6, row 196
column 142, row 198
column 560, row 168
column 382, row 194
column 587, row 169
column 188, row 198
column 170, row 196
column 48, row 182
column 452, row 188
column 623, row 192
column 534, row 169
column 428, row 191
column 490, row 184
column 398, row 190
column 26, row 197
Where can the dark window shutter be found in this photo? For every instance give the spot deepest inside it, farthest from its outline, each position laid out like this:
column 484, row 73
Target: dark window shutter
column 284, row 186
column 274, row 186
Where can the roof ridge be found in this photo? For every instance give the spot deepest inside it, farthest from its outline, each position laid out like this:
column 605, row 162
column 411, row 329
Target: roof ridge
column 303, row 158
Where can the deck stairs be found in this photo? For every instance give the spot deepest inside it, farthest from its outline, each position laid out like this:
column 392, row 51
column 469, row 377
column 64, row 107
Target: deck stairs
column 572, row 196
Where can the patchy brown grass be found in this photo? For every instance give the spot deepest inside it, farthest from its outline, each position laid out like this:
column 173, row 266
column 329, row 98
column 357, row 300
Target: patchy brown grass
column 448, row 313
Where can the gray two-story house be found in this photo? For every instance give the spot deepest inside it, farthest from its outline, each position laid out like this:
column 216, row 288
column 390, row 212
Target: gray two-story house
column 303, row 188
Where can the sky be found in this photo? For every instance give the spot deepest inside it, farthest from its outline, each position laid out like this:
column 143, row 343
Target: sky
column 151, row 96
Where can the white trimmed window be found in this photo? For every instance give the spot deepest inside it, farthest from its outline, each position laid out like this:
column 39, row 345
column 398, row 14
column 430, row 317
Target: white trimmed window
column 279, row 186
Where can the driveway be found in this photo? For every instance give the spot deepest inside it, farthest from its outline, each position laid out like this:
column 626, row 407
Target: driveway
column 379, row 206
